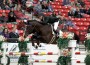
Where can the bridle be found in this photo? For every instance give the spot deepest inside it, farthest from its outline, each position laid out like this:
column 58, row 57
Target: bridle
column 34, row 27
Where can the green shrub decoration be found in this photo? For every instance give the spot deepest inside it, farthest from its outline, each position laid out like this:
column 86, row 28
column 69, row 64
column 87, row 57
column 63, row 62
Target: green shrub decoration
column 87, row 44
column 87, row 60
column 64, row 60
column 63, row 42
column 23, row 48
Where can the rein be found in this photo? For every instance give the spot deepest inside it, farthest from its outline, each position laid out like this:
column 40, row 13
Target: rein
column 30, row 30
column 52, row 39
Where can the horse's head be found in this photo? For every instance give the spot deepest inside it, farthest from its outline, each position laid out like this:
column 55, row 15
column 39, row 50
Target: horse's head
column 30, row 27
column 21, row 25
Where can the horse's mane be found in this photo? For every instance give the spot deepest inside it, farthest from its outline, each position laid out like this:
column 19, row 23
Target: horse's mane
column 35, row 22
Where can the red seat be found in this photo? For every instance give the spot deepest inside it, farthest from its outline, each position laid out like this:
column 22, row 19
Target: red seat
column 10, row 26
column 77, row 32
column 72, row 19
column 59, row 0
column 52, row 3
column 64, row 11
column 3, row 10
column 87, row 16
column 88, row 19
column 1, row 25
column 21, row 32
column 0, row 14
column 65, row 15
column 0, row 11
column 86, row 23
column 87, row 3
column 83, row 33
column 56, row 10
column 83, row 28
column 78, row 28
column 47, row 14
column 83, row 19
column 83, row 36
column 79, row 23
column 77, row 19
column 7, row 11
column 59, row 7
column 71, row 29
column 17, row 20
column 75, row 23
column 53, row 6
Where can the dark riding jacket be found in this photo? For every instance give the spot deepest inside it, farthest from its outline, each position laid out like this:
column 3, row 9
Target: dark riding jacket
column 50, row 19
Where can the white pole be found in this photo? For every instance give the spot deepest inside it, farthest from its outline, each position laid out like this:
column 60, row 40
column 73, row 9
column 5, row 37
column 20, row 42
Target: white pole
column 73, row 58
column 29, row 46
column 4, row 59
column 72, row 44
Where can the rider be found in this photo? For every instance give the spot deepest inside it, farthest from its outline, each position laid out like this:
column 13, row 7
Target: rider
column 54, row 21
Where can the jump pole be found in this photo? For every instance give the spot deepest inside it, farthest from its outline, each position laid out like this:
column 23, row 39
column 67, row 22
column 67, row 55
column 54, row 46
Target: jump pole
column 4, row 58
column 72, row 44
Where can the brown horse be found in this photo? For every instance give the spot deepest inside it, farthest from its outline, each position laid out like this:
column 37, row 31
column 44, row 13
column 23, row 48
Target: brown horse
column 44, row 32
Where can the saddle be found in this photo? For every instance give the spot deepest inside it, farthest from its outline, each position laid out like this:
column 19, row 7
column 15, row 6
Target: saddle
column 43, row 23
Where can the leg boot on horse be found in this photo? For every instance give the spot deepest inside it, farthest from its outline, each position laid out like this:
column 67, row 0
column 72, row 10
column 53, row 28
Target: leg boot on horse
column 35, row 39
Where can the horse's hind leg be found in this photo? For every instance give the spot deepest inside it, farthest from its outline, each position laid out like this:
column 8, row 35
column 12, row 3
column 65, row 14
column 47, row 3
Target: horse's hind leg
column 36, row 46
column 38, row 43
column 32, row 40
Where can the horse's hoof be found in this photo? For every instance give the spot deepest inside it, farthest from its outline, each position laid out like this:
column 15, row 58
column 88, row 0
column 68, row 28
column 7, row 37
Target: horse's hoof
column 36, row 47
column 40, row 45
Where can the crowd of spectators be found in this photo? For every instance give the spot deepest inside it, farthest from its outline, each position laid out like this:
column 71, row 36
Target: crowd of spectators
column 77, row 10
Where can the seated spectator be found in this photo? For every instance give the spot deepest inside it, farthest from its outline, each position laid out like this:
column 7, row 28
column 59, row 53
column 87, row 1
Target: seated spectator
column 78, row 14
column 44, row 6
column 15, row 1
column 66, row 2
column 88, row 11
column 83, row 10
column 13, row 36
column 68, row 22
column 11, row 16
column 70, row 14
column 53, row 14
column 82, row 3
column 61, row 20
column 75, row 4
column 10, row 4
column 50, row 9
column 13, row 33
column 4, row 5
column 4, row 26
column 5, row 33
column 88, row 30
column 3, row 18
column 37, row 9
column 73, row 9
column 29, row 3
column 20, row 24
column 76, row 37
column 23, row 2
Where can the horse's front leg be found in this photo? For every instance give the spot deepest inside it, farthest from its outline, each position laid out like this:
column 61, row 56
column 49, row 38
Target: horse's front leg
column 38, row 43
column 32, row 40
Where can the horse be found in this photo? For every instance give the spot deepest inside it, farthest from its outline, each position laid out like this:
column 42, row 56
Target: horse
column 43, row 30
